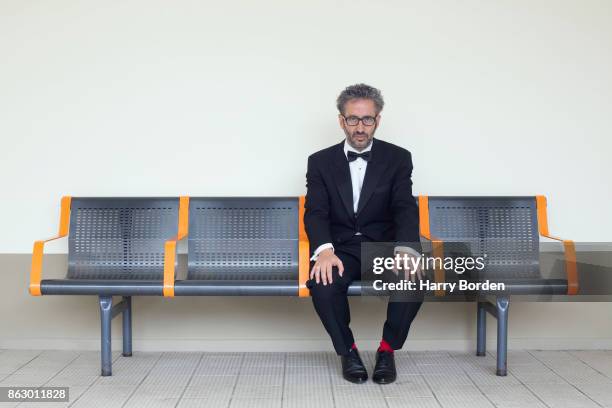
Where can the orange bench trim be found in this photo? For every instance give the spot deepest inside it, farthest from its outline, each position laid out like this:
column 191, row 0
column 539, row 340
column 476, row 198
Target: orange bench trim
column 170, row 246
column 568, row 246
column 37, row 252
column 437, row 245
column 303, row 253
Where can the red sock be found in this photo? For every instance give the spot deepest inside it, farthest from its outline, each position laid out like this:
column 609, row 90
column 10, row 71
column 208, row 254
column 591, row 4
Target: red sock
column 384, row 346
column 354, row 347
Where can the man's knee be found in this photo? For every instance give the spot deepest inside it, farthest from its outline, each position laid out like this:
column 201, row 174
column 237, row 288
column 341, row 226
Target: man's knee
column 338, row 285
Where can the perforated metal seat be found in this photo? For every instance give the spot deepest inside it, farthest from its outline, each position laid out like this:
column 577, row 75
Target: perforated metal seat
column 502, row 230
column 116, row 246
column 242, row 246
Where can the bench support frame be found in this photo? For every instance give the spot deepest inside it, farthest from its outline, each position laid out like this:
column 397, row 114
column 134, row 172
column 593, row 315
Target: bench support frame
column 499, row 310
column 107, row 312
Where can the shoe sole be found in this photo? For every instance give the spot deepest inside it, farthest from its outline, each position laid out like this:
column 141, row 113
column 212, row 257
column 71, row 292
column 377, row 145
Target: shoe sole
column 383, row 382
column 356, row 380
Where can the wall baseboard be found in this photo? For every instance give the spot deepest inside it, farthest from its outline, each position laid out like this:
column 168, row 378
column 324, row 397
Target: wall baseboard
column 269, row 345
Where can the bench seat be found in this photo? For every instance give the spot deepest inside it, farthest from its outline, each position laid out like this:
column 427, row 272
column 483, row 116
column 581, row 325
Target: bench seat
column 251, row 287
column 100, row 287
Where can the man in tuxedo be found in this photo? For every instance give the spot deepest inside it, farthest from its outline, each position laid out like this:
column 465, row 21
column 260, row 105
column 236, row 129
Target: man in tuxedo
column 359, row 190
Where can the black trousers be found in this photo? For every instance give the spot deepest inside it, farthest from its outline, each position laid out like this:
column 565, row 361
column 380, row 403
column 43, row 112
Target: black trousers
column 331, row 303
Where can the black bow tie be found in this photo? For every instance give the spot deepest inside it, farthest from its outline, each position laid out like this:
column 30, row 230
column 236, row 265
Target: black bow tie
column 352, row 156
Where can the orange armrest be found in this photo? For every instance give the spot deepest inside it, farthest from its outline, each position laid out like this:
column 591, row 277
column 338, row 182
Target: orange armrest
column 37, row 263
column 169, row 262
column 438, row 252
column 568, row 246
column 436, row 244
column 37, row 252
column 425, row 232
column 571, row 270
column 303, row 267
column 303, row 252
column 170, row 246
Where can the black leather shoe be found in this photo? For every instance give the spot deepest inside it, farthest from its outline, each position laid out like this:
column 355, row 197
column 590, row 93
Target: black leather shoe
column 384, row 370
column 353, row 369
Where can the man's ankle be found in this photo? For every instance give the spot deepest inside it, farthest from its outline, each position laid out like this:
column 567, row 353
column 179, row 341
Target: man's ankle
column 385, row 346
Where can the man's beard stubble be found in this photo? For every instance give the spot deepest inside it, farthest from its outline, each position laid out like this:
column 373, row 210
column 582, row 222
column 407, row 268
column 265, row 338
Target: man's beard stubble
column 353, row 143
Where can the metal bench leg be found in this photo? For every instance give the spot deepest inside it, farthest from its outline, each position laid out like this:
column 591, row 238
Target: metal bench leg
column 502, row 335
column 106, row 307
column 127, row 327
column 481, row 329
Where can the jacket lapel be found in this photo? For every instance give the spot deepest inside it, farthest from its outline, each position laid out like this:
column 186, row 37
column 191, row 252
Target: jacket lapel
column 375, row 169
column 342, row 176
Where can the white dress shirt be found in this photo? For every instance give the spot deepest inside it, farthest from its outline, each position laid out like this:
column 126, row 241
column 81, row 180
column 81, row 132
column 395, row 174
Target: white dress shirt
column 357, row 168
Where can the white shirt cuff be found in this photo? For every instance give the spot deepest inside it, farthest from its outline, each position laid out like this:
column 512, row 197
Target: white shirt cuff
column 320, row 249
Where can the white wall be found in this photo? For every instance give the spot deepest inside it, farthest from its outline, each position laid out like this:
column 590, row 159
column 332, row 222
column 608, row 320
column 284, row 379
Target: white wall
column 228, row 98
column 135, row 97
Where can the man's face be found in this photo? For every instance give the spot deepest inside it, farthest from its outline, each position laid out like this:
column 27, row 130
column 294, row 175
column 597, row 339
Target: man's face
column 358, row 134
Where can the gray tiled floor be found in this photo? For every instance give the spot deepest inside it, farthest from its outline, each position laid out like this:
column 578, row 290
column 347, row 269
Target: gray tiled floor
column 426, row 379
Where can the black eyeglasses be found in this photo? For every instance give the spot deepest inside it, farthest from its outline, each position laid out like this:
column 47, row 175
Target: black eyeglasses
column 354, row 120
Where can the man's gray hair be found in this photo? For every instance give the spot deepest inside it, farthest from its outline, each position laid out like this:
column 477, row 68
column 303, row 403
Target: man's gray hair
column 360, row 91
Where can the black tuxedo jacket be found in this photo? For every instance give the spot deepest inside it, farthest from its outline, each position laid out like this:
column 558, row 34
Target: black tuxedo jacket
column 387, row 211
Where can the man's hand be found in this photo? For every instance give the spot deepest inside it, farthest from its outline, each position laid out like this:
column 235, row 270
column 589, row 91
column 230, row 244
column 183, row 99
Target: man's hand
column 416, row 274
column 322, row 269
